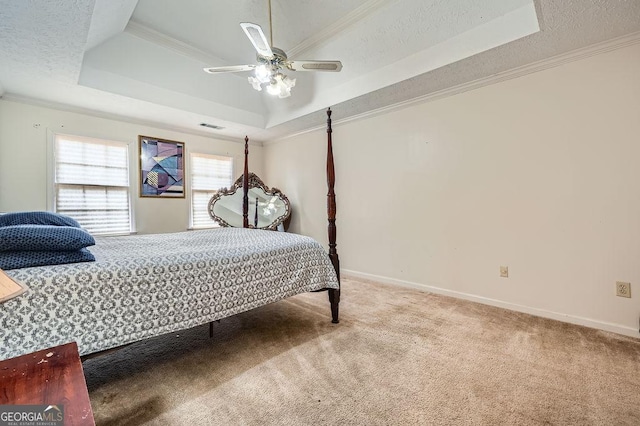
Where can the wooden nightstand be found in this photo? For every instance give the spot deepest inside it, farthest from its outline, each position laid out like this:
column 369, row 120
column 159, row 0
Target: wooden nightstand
column 52, row 376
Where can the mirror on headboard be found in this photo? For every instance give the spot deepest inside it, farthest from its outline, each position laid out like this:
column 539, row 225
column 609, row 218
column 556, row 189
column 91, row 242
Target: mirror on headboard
column 273, row 206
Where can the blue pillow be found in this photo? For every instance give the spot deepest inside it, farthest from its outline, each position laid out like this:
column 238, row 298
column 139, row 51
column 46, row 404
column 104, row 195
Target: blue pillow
column 26, row 259
column 37, row 218
column 43, row 238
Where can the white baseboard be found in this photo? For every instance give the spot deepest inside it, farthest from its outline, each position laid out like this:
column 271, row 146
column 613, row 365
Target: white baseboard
column 587, row 322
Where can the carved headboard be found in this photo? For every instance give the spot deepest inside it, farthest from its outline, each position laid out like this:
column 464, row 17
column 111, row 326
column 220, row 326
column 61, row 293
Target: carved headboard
column 268, row 207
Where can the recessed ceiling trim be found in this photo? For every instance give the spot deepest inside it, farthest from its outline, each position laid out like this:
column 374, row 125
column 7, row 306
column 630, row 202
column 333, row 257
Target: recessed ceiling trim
column 149, row 34
column 109, row 18
column 140, row 30
column 501, row 30
column 552, row 62
column 338, row 26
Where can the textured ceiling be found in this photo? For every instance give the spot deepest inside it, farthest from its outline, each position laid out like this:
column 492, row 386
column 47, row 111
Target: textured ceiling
column 143, row 59
column 51, row 51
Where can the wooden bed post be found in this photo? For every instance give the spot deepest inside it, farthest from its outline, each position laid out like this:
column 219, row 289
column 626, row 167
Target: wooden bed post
column 334, row 294
column 245, row 185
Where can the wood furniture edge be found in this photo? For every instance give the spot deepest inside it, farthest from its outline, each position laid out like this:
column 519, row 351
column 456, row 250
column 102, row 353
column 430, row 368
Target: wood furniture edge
column 334, row 294
column 245, row 185
column 51, row 376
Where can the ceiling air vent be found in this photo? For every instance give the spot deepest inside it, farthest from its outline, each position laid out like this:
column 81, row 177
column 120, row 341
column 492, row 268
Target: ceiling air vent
column 211, row 126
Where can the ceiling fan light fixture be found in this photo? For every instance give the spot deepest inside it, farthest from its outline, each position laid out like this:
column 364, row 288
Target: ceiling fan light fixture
column 263, row 73
column 273, row 88
column 281, row 85
column 255, row 83
column 288, row 81
column 277, row 84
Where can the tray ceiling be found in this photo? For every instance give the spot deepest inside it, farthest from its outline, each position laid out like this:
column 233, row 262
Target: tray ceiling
column 143, row 59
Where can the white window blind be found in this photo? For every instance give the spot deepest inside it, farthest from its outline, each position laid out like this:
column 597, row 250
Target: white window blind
column 209, row 173
column 92, row 183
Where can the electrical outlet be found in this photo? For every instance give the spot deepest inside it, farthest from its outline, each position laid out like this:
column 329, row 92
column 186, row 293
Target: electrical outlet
column 504, row 272
column 623, row 289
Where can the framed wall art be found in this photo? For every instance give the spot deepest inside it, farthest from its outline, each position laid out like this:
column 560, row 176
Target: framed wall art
column 161, row 167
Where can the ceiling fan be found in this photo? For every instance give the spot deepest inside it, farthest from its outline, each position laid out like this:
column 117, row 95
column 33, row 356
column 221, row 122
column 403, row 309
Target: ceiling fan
column 271, row 62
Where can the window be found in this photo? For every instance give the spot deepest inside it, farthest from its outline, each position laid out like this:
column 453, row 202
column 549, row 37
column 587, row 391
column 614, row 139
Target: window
column 91, row 183
column 208, row 174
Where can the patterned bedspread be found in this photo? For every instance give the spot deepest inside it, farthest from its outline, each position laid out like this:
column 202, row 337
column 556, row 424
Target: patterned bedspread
column 147, row 285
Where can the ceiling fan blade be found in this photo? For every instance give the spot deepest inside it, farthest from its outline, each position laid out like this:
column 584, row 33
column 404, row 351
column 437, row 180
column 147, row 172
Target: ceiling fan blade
column 257, row 37
column 233, row 68
column 334, row 66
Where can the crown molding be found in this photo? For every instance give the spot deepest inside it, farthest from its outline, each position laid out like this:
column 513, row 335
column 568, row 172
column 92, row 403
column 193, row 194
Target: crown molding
column 338, row 26
column 156, row 37
column 552, row 62
column 116, row 117
column 555, row 61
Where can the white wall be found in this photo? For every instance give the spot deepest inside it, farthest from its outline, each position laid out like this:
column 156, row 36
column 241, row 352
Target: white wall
column 23, row 159
column 539, row 173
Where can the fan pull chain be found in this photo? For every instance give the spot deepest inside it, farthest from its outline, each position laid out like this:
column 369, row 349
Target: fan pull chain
column 270, row 26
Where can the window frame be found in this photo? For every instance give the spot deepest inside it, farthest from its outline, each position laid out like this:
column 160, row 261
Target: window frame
column 192, row 187
column 78, row 136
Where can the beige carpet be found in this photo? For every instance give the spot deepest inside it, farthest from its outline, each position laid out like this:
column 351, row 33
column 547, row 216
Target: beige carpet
column 398, row 357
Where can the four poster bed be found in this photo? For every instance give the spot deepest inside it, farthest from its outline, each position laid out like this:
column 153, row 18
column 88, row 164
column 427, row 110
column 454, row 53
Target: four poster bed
column 147, row 285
